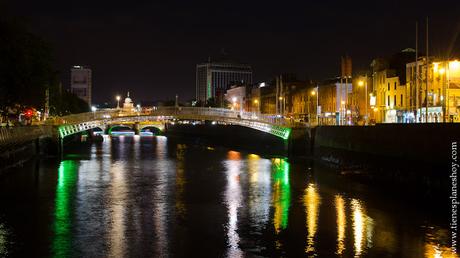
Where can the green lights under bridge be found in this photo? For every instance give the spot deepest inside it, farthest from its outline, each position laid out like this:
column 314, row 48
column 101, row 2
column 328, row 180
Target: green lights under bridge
column 274, row 125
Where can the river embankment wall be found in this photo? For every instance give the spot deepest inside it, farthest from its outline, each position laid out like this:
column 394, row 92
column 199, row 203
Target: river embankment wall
column 422, row 143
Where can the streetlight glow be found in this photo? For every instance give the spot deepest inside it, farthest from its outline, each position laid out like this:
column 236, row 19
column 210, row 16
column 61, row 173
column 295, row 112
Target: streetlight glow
column 313, row 93
column 93, row 108
column 118, row 101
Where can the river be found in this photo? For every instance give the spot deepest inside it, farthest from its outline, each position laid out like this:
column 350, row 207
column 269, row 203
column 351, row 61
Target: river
column 155, row 197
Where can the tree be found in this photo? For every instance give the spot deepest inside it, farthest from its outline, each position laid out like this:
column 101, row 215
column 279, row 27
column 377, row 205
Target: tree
column 25, row 67
column 26, row 73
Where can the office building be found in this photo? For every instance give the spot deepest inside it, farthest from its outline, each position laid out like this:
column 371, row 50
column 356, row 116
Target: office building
column 213, row 79
column 81, row 82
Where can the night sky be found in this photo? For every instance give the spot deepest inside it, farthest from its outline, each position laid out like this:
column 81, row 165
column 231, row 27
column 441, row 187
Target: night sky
column 151, row 49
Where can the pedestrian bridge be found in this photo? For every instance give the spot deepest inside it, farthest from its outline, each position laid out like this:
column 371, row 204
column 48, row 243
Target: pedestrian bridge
column 72, row 124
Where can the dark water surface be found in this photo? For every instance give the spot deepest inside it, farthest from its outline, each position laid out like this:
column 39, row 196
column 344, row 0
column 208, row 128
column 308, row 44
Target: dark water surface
column 152, row 197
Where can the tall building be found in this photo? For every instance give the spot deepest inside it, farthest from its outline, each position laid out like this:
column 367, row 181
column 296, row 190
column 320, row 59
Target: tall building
column 214, row 78
column 81, row 82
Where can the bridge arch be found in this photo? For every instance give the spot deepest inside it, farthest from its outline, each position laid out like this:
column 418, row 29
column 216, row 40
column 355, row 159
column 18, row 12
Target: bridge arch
column 148, row 130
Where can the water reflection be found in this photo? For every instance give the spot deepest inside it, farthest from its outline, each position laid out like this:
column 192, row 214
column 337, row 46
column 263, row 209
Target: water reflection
column 180, row 181
column 341, row 223
column 259, row 190
column 233, row 199
column 118, row 203
column 160, row 194
column 437, row 251
column 433, row 246
column 281, row 193
column 67, row 178
column 312, row 202
column 362, row 227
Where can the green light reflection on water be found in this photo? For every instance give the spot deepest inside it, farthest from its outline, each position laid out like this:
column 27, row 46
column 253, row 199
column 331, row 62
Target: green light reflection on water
column 67, row 177
column 281, row 193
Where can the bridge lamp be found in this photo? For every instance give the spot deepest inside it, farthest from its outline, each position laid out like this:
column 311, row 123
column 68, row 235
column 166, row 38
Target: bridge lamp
column 118, row 101
column 93, row 108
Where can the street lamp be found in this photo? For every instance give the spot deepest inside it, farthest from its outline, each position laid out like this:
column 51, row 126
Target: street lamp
column 118, row 101
column 360, row 84
column 94, row 109
column 256, row 101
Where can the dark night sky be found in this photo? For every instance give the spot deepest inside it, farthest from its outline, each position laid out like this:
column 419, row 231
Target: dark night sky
column 151, row 48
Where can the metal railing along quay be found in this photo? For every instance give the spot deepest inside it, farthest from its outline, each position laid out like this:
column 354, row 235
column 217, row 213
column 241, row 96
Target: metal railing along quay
column 13, row 136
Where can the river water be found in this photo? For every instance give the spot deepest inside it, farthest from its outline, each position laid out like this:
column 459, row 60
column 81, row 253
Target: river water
column 154, row 197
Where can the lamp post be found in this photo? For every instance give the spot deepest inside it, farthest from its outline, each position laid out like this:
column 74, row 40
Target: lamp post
column 94, row 109
column 118, row 101
column 360, row 84
column 314, row 93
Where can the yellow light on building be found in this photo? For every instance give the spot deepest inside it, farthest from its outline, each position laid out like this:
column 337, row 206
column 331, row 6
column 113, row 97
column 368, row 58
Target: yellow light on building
column 343, row 102
column 435, row 67
column 313, row 93
column 256, row 101
column 280, row 98
column 376, row 109
column 360, row 83
column 454, row 65
column 442, row 71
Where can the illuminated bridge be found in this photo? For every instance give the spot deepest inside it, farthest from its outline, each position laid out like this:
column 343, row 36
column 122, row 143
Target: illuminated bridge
column 73, row 124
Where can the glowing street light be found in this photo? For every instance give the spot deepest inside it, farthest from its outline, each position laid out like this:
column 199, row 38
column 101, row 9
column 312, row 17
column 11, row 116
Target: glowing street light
column 118, row 101
column 94, row 109
column 360, row 84
column 256, row 102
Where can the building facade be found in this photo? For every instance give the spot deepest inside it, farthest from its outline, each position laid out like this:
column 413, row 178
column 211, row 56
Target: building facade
column 335, row 102
column 390, row 98
column 435, row 96
column 214, row 78
column 81, row 83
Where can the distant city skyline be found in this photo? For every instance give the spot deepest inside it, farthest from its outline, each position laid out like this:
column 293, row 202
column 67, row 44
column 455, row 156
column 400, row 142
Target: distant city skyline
column 152, row 49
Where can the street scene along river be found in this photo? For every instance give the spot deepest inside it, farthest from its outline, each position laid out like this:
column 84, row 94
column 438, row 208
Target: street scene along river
column 156, row 197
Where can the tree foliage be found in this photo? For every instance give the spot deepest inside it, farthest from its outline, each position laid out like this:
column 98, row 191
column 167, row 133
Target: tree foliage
column 26, row 73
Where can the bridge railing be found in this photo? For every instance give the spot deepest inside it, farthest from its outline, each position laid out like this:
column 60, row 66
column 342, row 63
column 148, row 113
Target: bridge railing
column 217, row 113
